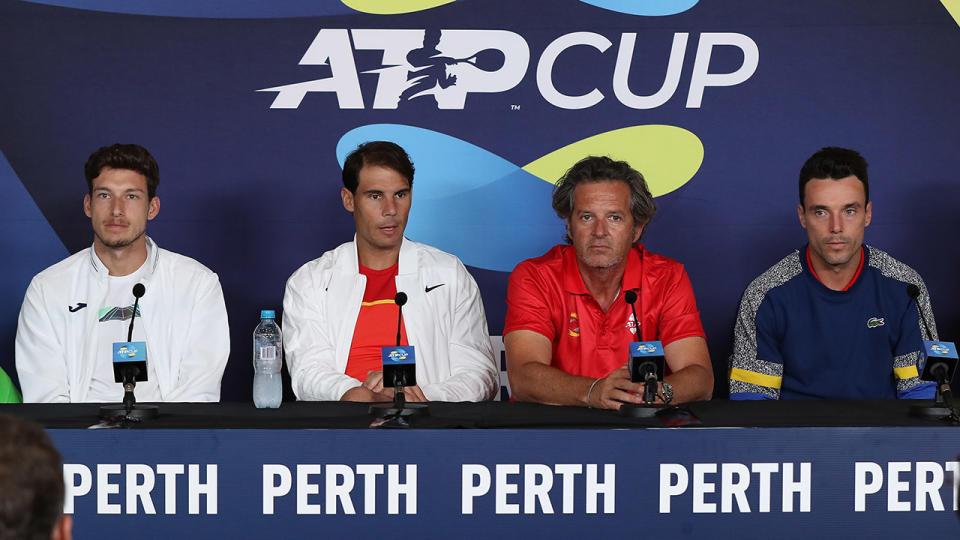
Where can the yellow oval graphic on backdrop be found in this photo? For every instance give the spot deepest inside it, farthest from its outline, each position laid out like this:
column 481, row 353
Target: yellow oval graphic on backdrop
column 393, row 7
column 667, row 156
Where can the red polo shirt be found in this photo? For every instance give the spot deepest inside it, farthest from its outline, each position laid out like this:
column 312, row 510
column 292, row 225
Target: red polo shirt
column 547, row 295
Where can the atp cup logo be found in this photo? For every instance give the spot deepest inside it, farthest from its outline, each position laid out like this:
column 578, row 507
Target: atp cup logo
column 646, row 348
column 398, row 355
column 441, row 65
column 446, row 66
column 937, row 348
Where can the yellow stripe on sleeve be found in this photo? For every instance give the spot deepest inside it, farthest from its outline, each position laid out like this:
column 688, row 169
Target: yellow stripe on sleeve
column 908, row 372
column 759, row 379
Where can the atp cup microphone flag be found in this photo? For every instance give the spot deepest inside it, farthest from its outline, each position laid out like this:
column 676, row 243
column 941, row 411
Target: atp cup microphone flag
column 130, row 357
column 399, row 362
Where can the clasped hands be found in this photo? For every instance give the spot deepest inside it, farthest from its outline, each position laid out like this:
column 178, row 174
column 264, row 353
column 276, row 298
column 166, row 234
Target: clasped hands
column 372, row 390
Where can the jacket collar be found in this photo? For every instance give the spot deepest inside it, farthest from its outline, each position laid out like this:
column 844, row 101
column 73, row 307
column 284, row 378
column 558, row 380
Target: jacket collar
column 150, row 265
column 409, row 262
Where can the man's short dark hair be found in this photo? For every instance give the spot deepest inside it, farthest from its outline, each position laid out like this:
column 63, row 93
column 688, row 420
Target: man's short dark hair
column 834, row 163
column 132, row 157
column 603, row 169
column 379, row 153
column 31, row 481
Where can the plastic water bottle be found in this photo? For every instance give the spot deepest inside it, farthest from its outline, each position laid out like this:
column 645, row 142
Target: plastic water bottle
column 267, row 361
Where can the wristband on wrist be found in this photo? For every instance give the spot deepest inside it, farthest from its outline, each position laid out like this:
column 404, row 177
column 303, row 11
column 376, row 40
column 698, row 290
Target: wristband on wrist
column 591, row 391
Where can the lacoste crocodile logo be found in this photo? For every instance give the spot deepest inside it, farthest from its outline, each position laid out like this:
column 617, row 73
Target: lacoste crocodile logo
column 874, row 322
column 78, row 307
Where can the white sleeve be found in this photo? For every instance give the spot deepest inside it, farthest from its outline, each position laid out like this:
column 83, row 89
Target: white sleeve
column 207, row 346
column 309, row 346
column 474, row 374
column 40, row 352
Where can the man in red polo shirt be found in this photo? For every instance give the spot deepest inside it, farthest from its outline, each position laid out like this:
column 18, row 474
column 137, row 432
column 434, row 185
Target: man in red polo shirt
column 568, row 324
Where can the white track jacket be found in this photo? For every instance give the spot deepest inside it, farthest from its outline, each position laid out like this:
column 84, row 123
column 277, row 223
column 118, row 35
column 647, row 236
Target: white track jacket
column 446, row 324
column 188, row 339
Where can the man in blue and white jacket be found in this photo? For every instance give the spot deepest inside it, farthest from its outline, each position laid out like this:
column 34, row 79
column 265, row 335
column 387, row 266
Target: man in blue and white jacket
column 75, row 310
column 833, row 319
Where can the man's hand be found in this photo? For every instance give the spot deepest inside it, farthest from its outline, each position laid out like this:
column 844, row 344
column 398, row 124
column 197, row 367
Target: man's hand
column 410, row 393
column 413, row 393
column 374, row 381
column 364, row 394
column 615, row 389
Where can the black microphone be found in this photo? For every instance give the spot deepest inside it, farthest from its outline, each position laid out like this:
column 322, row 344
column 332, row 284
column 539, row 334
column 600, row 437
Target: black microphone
column 138, row 291
column 914, row 292
column 647, row 370
column 130, row 373
column 400, row 299
column 939, row 370
column 631, row 297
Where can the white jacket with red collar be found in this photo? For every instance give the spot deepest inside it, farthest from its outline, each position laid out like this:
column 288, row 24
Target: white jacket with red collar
column 446, row 324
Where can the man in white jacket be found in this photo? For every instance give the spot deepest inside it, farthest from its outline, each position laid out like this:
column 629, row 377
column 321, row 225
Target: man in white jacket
column 75, row 310
column 339, row 309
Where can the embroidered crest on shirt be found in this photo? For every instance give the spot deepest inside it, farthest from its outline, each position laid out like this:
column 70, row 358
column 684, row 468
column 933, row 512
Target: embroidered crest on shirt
column 874, row 322
column 573, row 325
column 117, row 313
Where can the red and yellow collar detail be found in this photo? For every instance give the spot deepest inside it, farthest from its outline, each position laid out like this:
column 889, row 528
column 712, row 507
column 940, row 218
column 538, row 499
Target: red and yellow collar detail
column 852, row 280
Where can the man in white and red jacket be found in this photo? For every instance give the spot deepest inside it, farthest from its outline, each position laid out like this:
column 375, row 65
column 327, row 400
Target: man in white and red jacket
column 339, row 310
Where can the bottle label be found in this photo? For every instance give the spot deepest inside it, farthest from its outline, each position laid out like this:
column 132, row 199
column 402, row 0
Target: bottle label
column 268, row 353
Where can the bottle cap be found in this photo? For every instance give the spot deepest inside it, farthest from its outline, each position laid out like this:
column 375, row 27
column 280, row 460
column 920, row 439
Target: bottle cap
column 268, row 314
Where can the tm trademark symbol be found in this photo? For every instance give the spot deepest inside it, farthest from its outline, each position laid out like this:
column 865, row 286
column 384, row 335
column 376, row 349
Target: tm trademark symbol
column 514, row 107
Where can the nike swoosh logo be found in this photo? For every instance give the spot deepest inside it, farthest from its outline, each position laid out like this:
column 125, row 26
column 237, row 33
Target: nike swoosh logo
column 79, row 306
column 428, row 289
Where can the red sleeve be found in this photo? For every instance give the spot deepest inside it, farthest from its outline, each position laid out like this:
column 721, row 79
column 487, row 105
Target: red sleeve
column 528, row 305
column 679, row 316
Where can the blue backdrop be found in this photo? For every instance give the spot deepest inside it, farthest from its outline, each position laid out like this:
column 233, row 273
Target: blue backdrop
column 249, row 110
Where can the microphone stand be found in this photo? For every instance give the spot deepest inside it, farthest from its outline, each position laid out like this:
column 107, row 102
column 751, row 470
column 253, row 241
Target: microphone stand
column 941, row 372
column 942, row 403
column 399, row 408
column 129, row 400
column 128, row 410
column 649, row 407
column 650, row 381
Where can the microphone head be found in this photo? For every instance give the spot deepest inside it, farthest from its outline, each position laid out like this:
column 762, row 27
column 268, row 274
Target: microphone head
column 630, row 297
column 400, row 298
column 139, row 290
column 913, row 291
